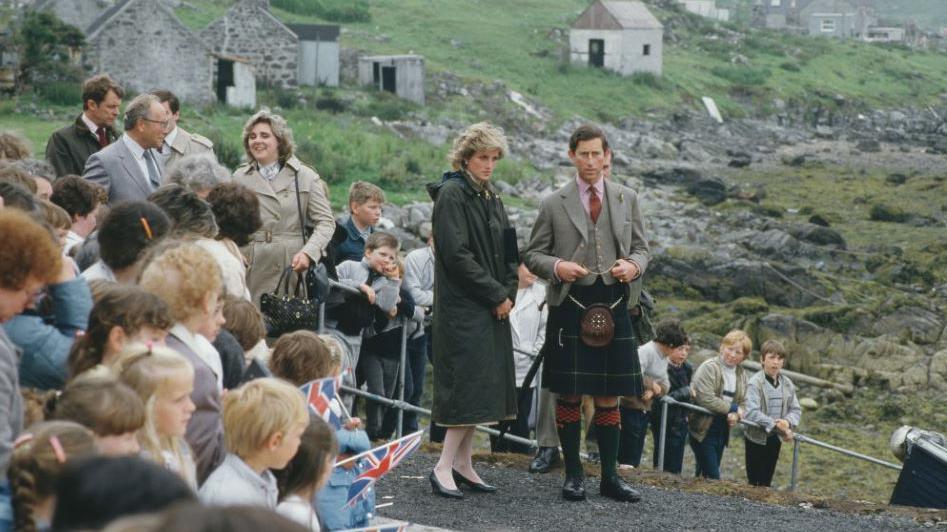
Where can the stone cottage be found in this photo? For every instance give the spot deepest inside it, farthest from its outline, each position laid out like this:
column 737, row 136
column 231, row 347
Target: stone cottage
column 841, row 19
column 78, row 13
column 249, row 30
column 143, row 45
column 620, row 36
column 778, row 14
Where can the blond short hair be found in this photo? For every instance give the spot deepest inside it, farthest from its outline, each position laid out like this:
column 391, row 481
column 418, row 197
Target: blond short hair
column 183, row 276
column 284, row 135
column 740, row 338
column 481, row 136
column 361, row 192
column 259, row 409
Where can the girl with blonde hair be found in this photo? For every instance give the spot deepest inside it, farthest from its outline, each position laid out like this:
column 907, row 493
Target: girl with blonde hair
column 164, row 381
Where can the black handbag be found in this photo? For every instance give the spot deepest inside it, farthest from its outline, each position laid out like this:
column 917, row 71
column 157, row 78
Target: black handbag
column 287, row 312
column 316, row 277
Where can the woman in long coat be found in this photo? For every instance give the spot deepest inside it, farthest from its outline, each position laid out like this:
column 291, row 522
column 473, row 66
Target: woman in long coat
column 474, row 288
column 272, row 173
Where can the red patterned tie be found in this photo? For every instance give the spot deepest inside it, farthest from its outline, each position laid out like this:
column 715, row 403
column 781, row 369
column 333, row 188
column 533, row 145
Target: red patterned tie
column 595, row 205
column 103, row 138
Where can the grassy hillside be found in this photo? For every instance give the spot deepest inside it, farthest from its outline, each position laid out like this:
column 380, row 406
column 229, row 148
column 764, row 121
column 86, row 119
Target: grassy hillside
column 521, row 43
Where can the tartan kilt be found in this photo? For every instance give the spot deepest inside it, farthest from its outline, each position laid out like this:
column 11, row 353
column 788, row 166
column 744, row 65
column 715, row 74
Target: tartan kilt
column 571, row 368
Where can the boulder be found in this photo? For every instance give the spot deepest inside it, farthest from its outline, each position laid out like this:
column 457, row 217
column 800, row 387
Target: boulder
column 808, row 403
column 817, row 234
column 912, row 323
column 938, row 370
column 709, row 190
column 868, row 146
column 652, row 147
column 692, row 151
column 679, row 175
column 739, row 159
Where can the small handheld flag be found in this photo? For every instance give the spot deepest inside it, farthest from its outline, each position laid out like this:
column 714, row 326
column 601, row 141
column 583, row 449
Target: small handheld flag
column 319, row 395
column 381, row 459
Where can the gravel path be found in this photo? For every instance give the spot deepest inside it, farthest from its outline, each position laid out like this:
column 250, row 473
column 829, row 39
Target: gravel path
column 531, row 502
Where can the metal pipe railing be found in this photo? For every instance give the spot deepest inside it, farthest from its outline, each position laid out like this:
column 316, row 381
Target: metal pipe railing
column 797, row 439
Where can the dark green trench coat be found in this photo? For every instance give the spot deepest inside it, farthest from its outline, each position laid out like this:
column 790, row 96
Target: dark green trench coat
column 474, row 271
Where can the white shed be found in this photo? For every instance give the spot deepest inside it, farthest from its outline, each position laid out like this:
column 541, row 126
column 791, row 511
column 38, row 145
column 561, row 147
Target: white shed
column 318, row 53
column 402, row 75
column 620, row 36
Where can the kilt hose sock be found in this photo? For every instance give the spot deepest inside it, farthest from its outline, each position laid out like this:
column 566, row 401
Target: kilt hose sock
column 607, row 423
column 568, row 415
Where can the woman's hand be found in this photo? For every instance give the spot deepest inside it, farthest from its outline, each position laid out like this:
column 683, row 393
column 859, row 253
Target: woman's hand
column 301, row 262
column 502, row 311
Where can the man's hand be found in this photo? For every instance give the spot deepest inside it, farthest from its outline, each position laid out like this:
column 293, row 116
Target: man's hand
column 502, row 311
column 369, row 293
column 570, row 272
column 656, row 389
column 787, row 435
column 782, row 425
column 624, row 270
column 647, row 395
column 300, row 262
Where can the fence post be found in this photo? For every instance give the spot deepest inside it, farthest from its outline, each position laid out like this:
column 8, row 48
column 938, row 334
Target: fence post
column 794, row 476
column 663, row 436
column 401, row 370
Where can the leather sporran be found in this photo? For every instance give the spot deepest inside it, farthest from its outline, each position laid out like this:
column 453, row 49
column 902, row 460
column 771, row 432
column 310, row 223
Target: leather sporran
column 287, row 311
column 597, row 325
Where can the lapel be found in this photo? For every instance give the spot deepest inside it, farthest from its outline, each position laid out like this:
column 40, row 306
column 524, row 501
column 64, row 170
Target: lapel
column 257, row 183
column 180, row 142
column 286, row 176
column 131, row 167
column 616, row 199
column 574, row 209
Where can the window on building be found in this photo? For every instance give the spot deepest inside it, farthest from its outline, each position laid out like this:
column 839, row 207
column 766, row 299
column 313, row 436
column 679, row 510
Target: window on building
column 828, row 25
column 775, row 3
column 646, row 50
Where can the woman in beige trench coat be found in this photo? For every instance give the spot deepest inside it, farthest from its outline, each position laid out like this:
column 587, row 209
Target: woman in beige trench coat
column 271, row 173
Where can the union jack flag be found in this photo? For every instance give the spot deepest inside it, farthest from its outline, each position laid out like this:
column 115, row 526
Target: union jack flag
column 319, row 395
column 382, row 460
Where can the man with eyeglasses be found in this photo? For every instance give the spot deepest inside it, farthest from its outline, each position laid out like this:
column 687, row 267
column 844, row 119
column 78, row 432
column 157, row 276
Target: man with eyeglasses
column 588, row 242
column 128, row 169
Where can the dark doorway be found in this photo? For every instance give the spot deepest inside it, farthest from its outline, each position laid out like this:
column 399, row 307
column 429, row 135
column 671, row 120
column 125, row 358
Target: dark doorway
column 596, row 52
column 224, row 78
column 376, row 75
column 388, row 79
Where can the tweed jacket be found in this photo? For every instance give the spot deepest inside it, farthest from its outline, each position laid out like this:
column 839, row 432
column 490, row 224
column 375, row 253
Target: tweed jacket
column 69, row 148
column 561, row 232
column 280, row 237
column 116, row 170
column 707, row 387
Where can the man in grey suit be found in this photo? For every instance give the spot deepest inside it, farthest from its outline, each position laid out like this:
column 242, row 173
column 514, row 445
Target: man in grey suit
column 128, row 169
column 588, row 243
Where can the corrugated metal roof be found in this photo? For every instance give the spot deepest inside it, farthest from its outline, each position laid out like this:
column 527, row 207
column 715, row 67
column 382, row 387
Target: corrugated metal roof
column 316, row 32
column 632, row 15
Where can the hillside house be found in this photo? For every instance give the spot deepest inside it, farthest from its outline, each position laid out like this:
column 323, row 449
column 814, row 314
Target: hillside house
column 885, row 34
column 248, row 30
column 706, row 9
column 841, row 19
column 620, row 36
column 144, row 46
column 402, row 75
column 318, row 53
column 78, row 13
column 778, row 14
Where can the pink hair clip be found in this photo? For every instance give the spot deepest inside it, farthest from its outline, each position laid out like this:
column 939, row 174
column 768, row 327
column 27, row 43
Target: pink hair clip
column 57, row 449
column 23, row 438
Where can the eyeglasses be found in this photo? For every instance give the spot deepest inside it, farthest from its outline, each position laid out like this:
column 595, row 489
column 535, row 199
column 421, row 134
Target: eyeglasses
column 165, row 124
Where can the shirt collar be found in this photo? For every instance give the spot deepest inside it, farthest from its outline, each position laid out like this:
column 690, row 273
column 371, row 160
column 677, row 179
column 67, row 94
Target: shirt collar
column 263, row 481
column 93, row 127
column 479, row 186
column 270, row 171
column 585, row 187
column 169, row 138
column 133, row 146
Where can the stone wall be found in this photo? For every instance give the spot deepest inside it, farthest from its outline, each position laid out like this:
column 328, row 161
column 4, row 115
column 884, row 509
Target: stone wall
column 144, row 46
column 249, row 31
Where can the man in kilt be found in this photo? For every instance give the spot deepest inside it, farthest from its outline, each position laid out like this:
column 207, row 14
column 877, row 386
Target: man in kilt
column 588, row 243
